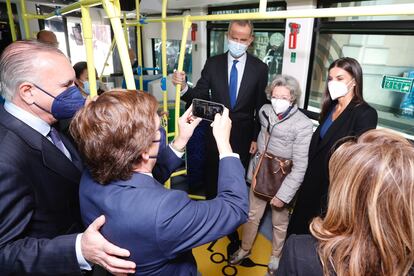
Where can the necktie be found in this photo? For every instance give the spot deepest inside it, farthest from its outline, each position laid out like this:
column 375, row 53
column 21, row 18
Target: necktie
column 233, row 84
column 54, row 135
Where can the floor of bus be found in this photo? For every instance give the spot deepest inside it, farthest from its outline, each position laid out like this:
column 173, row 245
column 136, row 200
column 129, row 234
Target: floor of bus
column 212, row 257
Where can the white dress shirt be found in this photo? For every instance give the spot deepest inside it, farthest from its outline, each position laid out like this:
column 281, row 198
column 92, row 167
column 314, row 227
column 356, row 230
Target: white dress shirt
column 240, row 70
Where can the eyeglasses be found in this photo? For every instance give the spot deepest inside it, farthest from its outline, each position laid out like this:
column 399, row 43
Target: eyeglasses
column 281, row 98
column 159, row 139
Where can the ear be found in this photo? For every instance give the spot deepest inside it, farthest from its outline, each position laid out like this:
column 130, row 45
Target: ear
column 145, row 156
column 251, row 39
column 25, row 92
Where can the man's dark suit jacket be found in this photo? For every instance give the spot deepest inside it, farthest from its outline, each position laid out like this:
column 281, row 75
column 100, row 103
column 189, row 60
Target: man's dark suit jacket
column 39, row 207
column 214, row 86
column 160, row 226
column 313, row 193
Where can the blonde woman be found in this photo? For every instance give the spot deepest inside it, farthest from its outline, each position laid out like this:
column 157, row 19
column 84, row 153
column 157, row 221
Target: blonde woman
column 289, row 132
column 369, row 225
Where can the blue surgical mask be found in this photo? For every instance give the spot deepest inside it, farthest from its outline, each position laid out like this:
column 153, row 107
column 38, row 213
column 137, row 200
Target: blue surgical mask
column 66, row 104
column 236, row 49
column 162, row 143
column 86, row 87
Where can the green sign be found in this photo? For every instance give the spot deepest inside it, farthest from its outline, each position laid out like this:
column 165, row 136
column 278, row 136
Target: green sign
column 398, row 84
column 293, row 57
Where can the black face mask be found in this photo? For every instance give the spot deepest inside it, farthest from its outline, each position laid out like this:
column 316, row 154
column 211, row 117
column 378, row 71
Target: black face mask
column 162, row 141
column 66, row 104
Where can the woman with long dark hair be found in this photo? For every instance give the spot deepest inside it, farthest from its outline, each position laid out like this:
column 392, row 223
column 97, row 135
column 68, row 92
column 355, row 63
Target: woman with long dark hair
column 344, row 113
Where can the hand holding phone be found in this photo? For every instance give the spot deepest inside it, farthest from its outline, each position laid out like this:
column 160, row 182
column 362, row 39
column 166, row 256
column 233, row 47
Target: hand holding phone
column 206, row 109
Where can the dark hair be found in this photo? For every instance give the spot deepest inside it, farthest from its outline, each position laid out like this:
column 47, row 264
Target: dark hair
column 353, row 67
column 79, row 68
column 113, row 132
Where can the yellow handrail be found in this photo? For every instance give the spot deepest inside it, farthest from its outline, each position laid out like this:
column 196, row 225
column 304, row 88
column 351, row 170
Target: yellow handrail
column 113, row 10
column 25, row 23
column 107, row 57
column 87, row 37
column 380, row 10
column 139, row 50
column 11, row 20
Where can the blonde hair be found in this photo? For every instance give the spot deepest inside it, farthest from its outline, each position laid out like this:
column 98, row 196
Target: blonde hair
column 369, row 225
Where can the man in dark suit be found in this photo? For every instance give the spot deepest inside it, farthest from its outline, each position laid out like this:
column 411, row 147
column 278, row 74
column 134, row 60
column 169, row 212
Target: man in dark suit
column 237, row 80
column 40, row 225
column 159, row 226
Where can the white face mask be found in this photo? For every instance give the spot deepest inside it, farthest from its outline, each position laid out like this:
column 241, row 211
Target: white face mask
column 236, row 49
column 338, row 89
column 280, row 105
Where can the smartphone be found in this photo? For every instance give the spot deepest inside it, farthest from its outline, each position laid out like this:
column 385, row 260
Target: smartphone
column 206, row 110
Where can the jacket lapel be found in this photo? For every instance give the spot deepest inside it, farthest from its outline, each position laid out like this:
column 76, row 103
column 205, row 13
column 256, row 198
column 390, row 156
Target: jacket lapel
column 333, row 129
column 224, row 79
column 52, row 157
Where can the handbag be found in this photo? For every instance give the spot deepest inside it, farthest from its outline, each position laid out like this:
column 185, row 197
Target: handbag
column 269, row 174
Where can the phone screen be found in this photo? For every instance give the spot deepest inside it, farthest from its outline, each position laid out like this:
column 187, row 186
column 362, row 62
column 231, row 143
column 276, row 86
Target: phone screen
column 206, row 109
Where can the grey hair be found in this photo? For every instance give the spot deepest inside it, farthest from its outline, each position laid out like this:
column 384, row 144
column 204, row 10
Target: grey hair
column 242, row 23
column 18, row 64
column 286, row 81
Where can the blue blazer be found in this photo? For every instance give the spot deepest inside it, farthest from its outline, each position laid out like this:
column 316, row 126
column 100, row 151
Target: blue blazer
column 160, row 226
column 39, row 203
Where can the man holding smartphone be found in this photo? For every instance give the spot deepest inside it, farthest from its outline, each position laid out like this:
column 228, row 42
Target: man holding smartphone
column 237, row 80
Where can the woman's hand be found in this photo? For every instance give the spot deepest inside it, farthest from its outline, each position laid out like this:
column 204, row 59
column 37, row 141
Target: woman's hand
column 253, row 147
column 277, row 202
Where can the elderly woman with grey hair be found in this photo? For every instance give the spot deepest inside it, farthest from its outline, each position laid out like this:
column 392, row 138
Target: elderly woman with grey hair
column 289, row 133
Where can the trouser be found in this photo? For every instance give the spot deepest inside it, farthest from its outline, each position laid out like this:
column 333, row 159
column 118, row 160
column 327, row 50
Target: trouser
column 280, row 221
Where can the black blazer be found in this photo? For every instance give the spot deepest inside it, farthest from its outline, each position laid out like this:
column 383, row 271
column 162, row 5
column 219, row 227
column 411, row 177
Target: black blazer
column 313, row 193
column 213, row 85
column 39, row 202
column 300, row 257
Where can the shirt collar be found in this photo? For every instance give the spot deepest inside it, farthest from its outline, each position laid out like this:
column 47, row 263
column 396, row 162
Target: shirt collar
column 149, row 174
column 241, row 59
column 31, row 120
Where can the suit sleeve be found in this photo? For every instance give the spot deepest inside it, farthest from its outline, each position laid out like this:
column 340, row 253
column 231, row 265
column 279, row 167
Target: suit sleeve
column 182, row 224
column 20, row 254
column 367, row 120
column 166, row 164
column 200, row 91
column 261, row 99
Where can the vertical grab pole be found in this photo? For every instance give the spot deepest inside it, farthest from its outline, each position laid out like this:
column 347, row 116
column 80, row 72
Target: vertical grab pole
column 125, row 27
column 11, row 20
column 106, row 59
column 167, row 183
column 186, row 27
column 262, row 6
column 87, row 37
column 113, row 10
column 24, row 17
column 139, row 54
column 164, row 55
